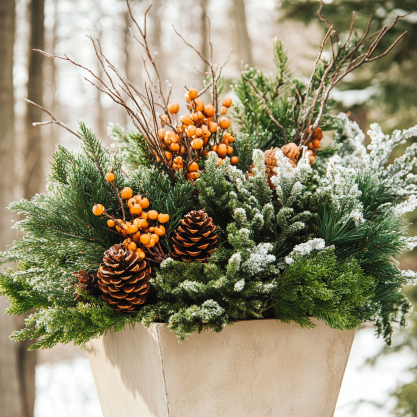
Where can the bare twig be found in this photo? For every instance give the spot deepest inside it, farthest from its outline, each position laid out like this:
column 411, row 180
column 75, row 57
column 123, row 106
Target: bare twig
column 54, row 119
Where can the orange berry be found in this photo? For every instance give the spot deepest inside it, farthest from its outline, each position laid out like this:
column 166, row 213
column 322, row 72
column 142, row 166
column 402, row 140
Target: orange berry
column 163, row 218
column 136, row 209
column 199, row 105
column 131, row 202
column 191, row 131
column 197, row 143
column 193, row 167
column 200, row 115
column 174, row 147
column 164, row 120
column 160, row 230
column 214, row 148
column 182, row 150
column 234, row 160
column 193, row 94
column 316, row 143
column 221, row 150
column 151, row 229
column 145, row 239
column 227, row 102
column 126, row 193
column 132, row 246
column 206, row 134
column 194, row 117
column 225, row 141
column 213, row 127
column 158, row 159
column 110, row 177
column 229, row 150
column 144, row 203
column 224, row 123
column 152, row 214
column 98, row 209
column 168, row 155
column 186, row 120
column 209, row 110
column 192, row 175
column 136, row 237
column 161, row 133
column 143, row 224
column 111, row 223
column 132, row 229
column 219, row 162
column 223, row 110
column 155, row 237
column 137, row 222
column 178, row 160
column 140, row 253
column 199, row 132
column 144, row 215
column 310, row 145
column 174, row 108
column 126, row 243
column 231, row 139
column 119, row 229
column 151, row 244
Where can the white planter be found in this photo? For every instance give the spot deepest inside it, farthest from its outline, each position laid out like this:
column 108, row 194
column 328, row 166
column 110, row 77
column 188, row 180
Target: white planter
column 254, row 368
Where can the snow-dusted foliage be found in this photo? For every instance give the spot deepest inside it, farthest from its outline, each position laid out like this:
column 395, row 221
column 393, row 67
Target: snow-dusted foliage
column 289, row 180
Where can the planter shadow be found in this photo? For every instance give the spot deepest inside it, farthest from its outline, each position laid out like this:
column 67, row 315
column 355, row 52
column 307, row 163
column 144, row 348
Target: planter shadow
column 254, row 368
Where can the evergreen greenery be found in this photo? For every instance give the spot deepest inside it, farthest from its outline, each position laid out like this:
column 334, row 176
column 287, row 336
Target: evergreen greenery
column 319, row 238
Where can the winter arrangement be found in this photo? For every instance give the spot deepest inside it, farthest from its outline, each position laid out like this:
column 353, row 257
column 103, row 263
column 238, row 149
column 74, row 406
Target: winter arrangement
column 208, row 212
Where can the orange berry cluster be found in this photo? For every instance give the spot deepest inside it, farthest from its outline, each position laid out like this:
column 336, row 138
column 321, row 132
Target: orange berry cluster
column 144, row 230
column 314, row 144
column 192, row 132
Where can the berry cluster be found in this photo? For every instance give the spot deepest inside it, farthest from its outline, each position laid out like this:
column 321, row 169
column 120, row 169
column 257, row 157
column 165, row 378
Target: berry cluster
column 314, row 144
column 142, row 233
column 195, row 135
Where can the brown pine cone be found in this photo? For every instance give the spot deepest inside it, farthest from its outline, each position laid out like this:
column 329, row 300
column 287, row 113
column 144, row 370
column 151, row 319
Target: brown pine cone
column 88, row 283
column 292, row 152
column 195, row 238
column 123, row 279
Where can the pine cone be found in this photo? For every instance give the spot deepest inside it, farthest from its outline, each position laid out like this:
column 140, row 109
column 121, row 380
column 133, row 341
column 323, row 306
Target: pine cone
column 124, row 278
column 88, row 283
column 271, row 163
column 195, row 238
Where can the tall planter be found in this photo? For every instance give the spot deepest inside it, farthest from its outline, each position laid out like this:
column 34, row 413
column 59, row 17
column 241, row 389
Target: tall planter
column 254, row 368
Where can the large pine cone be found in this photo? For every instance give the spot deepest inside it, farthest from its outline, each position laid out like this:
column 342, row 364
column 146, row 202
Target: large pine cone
column 88, row 283
column 195, row 238
column 271, row 161
column 124, row 278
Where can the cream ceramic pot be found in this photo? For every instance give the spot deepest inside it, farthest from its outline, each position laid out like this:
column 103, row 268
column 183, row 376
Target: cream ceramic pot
column 254, row 368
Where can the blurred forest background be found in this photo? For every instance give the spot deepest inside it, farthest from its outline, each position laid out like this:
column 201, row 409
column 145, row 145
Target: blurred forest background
column 385, row 92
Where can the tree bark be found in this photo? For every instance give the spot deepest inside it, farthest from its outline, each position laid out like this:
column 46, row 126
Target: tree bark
column 34, row 176
column 33, row 179
column 13, row 399
column 242, row 39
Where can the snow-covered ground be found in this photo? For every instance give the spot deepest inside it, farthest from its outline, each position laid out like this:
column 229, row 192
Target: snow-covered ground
column 66, row 389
